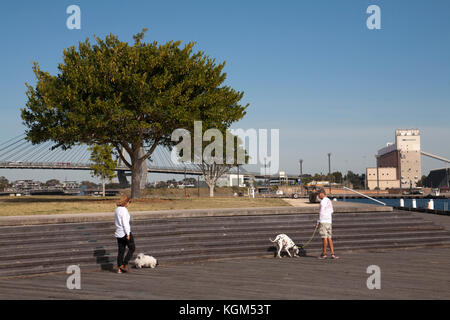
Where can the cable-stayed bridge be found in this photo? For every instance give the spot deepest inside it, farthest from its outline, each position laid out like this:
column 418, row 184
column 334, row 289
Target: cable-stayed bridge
column 18, row 153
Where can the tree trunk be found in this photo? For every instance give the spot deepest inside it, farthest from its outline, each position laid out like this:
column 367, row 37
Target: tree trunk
column 211, row 190
column 136, row 180
column 103, row 187
column 143, row 169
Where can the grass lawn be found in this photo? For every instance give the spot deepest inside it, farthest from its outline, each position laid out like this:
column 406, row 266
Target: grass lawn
column 34, row 205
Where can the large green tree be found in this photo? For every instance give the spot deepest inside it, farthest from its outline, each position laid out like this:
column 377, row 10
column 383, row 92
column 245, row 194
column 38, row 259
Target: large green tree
column 130, row 96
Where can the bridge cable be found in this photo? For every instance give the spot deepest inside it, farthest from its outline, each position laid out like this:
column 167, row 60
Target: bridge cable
column 21, row 152
column 13, row 150
column 158, row 160
column 43, row 155
column 82, row 150
column 37, row 151
column 48, row 155
column 14, row 143
column 20, row 137
column 69, row 155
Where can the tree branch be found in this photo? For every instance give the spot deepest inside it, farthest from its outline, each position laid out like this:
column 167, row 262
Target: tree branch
column 152, row 149
column 117, row 146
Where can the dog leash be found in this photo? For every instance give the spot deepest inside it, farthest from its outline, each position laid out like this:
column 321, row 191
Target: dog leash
column 315, row 229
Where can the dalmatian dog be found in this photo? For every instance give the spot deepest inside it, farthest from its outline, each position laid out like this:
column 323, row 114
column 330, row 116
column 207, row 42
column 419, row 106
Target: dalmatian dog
column 143, row 261
column 285, row 243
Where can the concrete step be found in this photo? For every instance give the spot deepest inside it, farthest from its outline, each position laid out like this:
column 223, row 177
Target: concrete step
column 51, row 248
column 209, row 221
column 108, row 229
column 166, row 241
column 222, row 244
column 75, row 236
column 108, row 262
column 157, row 236
column 162, row 235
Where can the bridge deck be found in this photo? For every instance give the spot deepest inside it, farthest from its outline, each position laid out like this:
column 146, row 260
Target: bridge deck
column 405, row 274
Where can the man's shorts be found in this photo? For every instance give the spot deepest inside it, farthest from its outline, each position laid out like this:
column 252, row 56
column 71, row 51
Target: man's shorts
column 325, row 230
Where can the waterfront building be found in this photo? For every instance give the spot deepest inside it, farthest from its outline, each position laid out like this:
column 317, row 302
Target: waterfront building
column 382, row 178
column 399, row 162
column 438, row 178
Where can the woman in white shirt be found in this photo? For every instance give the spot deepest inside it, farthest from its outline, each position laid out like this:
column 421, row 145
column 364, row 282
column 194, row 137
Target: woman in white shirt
column 123, row 234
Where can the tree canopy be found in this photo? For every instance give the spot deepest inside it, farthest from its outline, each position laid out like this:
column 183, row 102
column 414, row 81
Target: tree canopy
column 130, row 96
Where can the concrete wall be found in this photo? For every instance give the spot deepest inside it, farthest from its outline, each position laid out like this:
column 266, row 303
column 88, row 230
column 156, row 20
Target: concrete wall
column 404, row 156
column 387, row 178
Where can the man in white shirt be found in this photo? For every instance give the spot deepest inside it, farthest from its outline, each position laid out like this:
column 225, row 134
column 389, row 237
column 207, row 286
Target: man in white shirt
column 324, row 224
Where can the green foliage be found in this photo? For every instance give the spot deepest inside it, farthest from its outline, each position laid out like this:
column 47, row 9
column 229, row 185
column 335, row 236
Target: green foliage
column 306, row 178
column 89, row 184
column 355, row 179
column 52, row 183
column 319, row 177
column 422, row 181
column 4, row 183
column 336, row 177
column 103, row 165
column 129, row 96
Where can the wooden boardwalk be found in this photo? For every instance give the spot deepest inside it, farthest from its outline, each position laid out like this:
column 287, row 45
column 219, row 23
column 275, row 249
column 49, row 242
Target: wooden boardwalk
column 405, row 274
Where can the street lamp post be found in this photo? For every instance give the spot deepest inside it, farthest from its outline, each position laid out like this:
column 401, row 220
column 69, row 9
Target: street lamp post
column 265, row 173
column 329, row 169
column 238, row 184
column 198, row 186
column 301, row 175
column 378, row 175
column 185, row 191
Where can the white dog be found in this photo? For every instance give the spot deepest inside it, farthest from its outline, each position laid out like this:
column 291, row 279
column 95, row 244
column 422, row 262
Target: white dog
column 143, row 261
column 285, row 243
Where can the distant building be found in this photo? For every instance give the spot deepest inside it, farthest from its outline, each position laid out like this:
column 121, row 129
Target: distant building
column 401, row 157
column 382, row 178
column 283, row 180
column 438, row 178
column 71, row 185
column 230, row 180
column 26, row 185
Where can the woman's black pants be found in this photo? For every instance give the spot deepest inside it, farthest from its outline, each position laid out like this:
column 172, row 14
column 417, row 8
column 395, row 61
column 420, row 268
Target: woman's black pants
column 122, row 244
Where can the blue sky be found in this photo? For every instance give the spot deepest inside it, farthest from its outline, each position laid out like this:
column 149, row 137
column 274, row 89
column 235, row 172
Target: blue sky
column 309, row 68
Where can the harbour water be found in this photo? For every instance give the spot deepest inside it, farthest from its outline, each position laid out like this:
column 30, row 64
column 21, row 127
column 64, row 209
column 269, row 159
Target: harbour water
column 439, row 204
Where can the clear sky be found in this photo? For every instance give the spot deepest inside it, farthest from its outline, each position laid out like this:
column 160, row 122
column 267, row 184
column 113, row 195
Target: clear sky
column 309, row 68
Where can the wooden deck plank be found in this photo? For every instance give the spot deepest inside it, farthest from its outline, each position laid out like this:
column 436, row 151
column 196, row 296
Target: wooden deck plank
column 405, row 274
